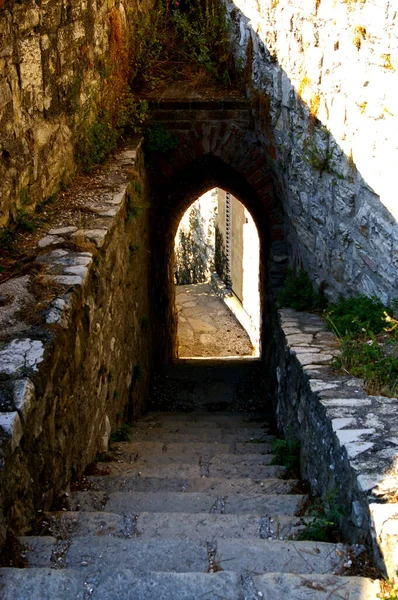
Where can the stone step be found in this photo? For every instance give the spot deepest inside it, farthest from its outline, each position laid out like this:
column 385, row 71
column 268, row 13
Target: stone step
column 191, row 502
column 212, row 526
column 196, row 484
column 94, row 551
column 224, row 419
column 168, row 435
column 65, row 584
column 212, row 468
column 184, row 452
column 314, row 587
column 203, row 421
column 237, row 461
column 185, row 526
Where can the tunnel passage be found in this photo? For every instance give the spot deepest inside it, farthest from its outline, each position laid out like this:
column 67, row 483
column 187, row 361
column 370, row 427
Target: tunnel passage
column 216, row 148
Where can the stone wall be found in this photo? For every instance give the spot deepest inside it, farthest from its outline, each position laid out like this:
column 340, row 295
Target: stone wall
column 53, row 57
column 323, row 81
column 349, row 446
column 75, row 344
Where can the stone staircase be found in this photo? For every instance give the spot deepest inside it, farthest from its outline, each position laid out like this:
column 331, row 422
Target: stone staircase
column 191, row 508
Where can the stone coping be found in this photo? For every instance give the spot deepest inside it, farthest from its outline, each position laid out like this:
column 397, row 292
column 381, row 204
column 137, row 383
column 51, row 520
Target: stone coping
column 354, row 445
column 24, row 343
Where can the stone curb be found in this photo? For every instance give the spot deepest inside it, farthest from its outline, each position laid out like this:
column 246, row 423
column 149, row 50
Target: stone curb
column 22, row 354
column 349, row 440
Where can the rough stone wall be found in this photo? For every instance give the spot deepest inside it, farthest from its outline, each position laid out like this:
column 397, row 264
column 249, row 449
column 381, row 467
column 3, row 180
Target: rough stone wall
column 349, row 447
column 74, row 371
column 323, row 80
column 52, row 58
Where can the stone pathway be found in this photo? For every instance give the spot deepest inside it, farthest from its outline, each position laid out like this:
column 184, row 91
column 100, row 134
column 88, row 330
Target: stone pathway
column 191, row 508
column 206, row 327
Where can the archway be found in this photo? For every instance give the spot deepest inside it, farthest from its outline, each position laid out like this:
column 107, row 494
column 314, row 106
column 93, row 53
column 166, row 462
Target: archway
column 217, row 279
column 174, row 186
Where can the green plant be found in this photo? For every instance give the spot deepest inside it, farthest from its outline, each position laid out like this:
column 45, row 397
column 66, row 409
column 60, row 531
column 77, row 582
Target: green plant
column 322, row 521
column 133, row 250
column 319, row 157
column 158, row 140
column 122, row 434
column 357, row 315
column 287, row 453
column 363, row 325
column 138, row 372
column 299, row 292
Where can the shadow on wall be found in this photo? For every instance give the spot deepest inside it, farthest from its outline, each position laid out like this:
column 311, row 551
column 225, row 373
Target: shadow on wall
column 323, row 84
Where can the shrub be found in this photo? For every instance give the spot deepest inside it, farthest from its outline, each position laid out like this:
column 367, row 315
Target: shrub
column 356, row 315
column 158, row 140
column 299, row 292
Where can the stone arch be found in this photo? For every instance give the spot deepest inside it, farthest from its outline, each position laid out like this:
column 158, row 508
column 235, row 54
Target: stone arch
column 211, row 155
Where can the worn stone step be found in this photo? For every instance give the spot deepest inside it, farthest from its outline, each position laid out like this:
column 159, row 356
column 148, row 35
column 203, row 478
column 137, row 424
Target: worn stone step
column 212, row 526
column 128, row 452
column 224, row 419
column 190, row 434
column 123, row 584
column 99, row 550
column 186, row 526
column 314, row 587
column 197, row 458
column 197, row 484
column 245, row 469
column 202, row 421
column 285, row 556
column 188, row 502
column 65, row 584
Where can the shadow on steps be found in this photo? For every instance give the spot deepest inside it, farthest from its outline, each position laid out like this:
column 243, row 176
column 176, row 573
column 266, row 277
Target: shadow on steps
column 212, row 386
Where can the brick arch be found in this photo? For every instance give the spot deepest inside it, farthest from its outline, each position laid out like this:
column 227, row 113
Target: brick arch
column 210, row 155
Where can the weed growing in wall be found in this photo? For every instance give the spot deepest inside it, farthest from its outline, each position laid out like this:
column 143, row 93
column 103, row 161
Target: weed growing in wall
column 112, row 111
column 322, row 521
column 158, row 140
column 287, row 453
column 122, row 434
column 368, row 335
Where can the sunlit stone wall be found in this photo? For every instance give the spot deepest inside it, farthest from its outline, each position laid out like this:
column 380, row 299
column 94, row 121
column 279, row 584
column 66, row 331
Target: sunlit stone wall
column 53, row 57
column 323, row 78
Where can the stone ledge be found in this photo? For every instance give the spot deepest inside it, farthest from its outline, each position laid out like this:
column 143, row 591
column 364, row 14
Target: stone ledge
column 20, row 357
column 349, row 440
column 33, row 342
